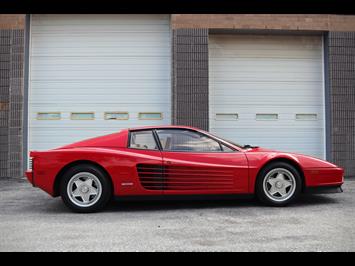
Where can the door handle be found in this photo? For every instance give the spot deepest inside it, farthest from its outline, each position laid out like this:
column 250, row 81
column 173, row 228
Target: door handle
column 168, row 162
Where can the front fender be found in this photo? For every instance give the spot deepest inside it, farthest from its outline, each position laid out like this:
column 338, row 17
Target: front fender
column 258, row 160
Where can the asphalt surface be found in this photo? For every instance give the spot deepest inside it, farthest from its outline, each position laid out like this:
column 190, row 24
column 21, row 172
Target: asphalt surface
column 30, row 220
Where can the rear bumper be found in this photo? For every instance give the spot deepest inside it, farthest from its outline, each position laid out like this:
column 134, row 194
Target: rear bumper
column 324, row 189
column 29, row 175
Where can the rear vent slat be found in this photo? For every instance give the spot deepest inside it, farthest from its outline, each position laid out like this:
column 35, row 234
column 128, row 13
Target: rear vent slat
column 151, row 176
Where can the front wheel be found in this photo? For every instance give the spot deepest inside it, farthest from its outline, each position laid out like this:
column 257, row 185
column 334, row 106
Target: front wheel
column 85, row 188
column 278, row 184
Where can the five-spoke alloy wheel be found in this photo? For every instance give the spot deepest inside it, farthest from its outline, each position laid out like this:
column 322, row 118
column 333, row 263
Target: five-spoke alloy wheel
column 85, row 188
column 278, row 184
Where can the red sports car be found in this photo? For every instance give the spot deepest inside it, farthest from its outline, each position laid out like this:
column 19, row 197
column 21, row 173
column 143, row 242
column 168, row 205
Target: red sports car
column 175, row 160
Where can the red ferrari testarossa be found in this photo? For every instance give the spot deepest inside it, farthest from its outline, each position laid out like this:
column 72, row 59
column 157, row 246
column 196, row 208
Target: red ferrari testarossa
column 175, row 160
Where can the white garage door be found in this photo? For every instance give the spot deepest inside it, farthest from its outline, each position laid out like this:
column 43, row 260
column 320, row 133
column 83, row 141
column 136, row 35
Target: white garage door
column 96, row 74
column 268, row 91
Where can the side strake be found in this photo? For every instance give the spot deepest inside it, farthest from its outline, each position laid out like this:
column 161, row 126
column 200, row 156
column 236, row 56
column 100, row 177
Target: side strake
column 153, row 177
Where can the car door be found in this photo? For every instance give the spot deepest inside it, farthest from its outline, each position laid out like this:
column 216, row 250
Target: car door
column 195, row 163
column 146, row 163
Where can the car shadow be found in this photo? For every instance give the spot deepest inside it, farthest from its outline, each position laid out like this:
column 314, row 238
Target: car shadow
column 57, row 206
column 159, row 205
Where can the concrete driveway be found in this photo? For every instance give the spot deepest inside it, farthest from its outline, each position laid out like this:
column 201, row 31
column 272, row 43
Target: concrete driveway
column 30, row 220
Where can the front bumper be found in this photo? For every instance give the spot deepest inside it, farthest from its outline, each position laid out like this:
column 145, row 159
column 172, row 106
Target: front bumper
column 324, row 189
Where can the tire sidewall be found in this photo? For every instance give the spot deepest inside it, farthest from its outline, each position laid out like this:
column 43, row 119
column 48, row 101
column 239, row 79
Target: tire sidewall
column 105, row 184
column 261, row 194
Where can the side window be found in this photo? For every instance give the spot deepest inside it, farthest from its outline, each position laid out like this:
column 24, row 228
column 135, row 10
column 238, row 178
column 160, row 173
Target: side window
column 187, row 140
column 143, row 140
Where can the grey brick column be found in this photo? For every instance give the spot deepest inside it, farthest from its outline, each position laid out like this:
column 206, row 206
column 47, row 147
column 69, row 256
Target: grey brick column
column 11, row 102
column 5, row 65
column 190, row 78
column 342, row 90
column 16, row 104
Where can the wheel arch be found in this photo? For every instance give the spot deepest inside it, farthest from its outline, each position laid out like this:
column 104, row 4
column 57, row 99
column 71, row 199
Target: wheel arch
column 56, row 188
column 285, row 160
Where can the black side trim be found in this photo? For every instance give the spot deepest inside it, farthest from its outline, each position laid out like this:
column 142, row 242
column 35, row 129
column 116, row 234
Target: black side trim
column 157, row 140
column 323, row 189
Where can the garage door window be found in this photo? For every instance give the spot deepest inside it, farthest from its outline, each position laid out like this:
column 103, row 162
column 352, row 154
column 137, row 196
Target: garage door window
column 227, row 116
column 49, row 116
column 82, row 116
column 306, row 116
column 267, row 116
column 150, row 116
column 116, row 116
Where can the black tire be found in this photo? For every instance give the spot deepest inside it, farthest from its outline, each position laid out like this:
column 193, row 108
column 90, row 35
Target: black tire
column 265, row 197
column 100, row 202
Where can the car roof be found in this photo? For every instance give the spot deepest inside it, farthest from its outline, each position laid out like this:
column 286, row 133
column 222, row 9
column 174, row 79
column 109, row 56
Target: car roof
column 162, row 126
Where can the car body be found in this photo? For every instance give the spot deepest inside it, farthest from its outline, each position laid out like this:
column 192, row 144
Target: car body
column 176, row 160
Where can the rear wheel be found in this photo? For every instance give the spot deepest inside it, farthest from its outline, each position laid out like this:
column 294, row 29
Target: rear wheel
column 278, row 184
column 85, row 188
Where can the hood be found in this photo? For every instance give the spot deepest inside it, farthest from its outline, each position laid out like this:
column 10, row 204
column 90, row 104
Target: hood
column 307, row 161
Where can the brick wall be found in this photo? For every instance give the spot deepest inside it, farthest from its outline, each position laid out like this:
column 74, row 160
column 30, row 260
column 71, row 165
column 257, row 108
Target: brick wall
column 265, row 21
column 9, row 21
column 342, row 87
column 5, row 49
column 190, row 78
column 11, row 94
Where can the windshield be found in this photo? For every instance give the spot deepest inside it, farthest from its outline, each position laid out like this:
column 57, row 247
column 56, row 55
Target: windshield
column 228, row 141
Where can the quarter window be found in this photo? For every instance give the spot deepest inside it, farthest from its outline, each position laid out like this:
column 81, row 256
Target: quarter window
column 143, row 140
column 226, row 148
column 187, row 140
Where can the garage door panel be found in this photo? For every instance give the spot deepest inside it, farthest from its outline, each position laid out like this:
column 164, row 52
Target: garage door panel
column 267, row 76
column 39, row 62
column 99, row 39
column 267, row 69
column 99, row 28
column 105, row 51
column 249, row 108
column 117, row 99
column 268, row 42
column 265, row 54
column 97, row 19
column 86, row 40
column 151, row 74
column 276, row 87
column 82, row 107
column 100, row 67
column 259, row 125
column 279, row 78
column 98, row 64
column 268, row 98
column 262, row 62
